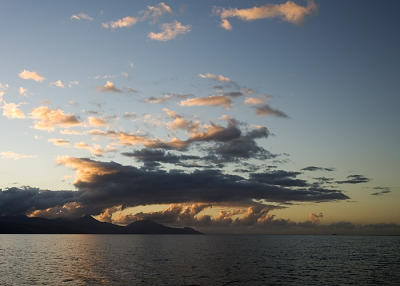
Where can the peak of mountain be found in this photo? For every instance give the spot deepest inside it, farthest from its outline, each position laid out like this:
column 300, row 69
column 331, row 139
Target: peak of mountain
column 84, row 225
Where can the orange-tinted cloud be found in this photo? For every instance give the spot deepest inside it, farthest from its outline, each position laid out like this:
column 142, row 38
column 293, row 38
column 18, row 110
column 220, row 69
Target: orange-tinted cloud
column 169, row 31
column 288, row 11
column 25, row 74
column 11, row 110
column 212, row 100
column 48, row 119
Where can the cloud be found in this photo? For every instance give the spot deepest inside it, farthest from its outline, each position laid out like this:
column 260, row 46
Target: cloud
column 81, row 16
column 95, row 121
column 3, row 89
column 379, row 191
column 254, row 218
column 18, row 201
column 166, row 97
column 11, row 110
column 313, row 168
column 228, row 144
column 280, row 178
column 57, row 83
column 70, row 132
column 121, row 23
column 233, row 94
column 266, row 110
column 70, row 210
column 103, row 185
column 212, row 100
column 15, row 156
column 152, row 158
column 73, row 83
column 130, row 115
column 231, row 143
column 95, row 150
column 169, row 31
column 155, row 12
column 253, row 101
column 241, row 148
column 48, row 119
column 130, row 139
column 180, row 122
column 110, row 183
column 288, row 11
column 354, row 179
column 152, row 12
column 219, row 78
column 108, row 87
column 25, row 74
column 226, row 24
column 59, row 142
column 316, row 218
column 22, row 90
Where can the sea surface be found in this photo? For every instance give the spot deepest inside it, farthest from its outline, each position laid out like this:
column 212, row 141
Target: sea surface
column 199, row 260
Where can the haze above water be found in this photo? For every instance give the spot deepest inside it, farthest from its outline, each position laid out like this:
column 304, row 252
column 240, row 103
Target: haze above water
column 198, row 260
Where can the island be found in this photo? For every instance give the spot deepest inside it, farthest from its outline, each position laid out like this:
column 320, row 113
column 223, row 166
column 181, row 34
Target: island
column 83, row 225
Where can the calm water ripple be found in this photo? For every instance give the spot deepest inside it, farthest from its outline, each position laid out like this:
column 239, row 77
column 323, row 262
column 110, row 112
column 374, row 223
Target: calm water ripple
column 198, row 260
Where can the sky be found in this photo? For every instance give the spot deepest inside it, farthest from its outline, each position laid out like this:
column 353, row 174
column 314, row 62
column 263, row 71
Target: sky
column 229, row 116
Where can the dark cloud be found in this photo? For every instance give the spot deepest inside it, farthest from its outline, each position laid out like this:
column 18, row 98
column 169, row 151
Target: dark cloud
column 241, row 147
column 313, row 168
column 233, row 94
column 354, row 179
column 103, row 185
column 324, row 180
column 167, row 97
column 266, row 110
column 152, row 158
column 379, row 191
column 280, row 178
column 17, row 201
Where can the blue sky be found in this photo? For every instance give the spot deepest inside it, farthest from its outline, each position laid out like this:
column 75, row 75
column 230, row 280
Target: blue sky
column 334, row 73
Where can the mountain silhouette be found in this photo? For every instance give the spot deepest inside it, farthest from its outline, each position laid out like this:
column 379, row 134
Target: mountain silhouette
column 83, row 225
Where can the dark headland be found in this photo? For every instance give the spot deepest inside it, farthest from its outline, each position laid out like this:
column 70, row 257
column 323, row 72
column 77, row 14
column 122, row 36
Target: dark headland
column 83, row 225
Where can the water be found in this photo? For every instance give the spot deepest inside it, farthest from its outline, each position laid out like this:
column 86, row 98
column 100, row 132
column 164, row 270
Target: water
column 198, row 260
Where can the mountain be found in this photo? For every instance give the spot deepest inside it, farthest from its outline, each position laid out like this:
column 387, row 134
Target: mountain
column 151, row 227
column 84, row 225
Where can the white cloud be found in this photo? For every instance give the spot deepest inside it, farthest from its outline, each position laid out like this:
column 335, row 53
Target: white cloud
column 3, row 89
column 22, row 90
column 57, row 83
column 15, row 156
column 219, row 78
column 59, row 142
column 121, row 23
column 73, row 83
column 169, row 31
column 108, row 87
column 25, row 74
column 70, row 132
column 152, row 12
column 253, row 101
column 81, row 16
column 155, row 12
column 95, row 150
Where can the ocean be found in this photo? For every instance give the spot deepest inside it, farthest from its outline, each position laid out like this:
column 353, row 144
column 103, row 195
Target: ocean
column 199, row 260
